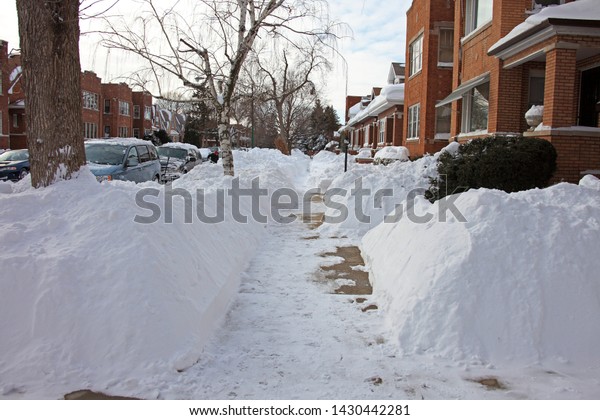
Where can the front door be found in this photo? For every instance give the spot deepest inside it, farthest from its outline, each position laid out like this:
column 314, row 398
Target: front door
column 589, row 106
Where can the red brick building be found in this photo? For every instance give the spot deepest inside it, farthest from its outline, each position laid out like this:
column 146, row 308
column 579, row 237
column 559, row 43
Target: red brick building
column 376, row 120
column 513, row 54
column 108, row 109
column 142, row 114
column 4, row 81
column 429, row 63
column 117, row 108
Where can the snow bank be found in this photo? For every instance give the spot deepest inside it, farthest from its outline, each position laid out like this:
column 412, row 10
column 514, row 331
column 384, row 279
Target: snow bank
column 91, row 297
column 517, row 284
column 386, row 187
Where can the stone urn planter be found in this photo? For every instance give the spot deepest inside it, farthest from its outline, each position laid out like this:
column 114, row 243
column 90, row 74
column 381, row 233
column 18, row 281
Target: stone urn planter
column 534, row 116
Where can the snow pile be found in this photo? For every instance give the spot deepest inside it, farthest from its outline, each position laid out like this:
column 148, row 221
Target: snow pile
column 91, row 296
column 384, row 188
column 324, row 167
column 517, row 284
column 393, row 152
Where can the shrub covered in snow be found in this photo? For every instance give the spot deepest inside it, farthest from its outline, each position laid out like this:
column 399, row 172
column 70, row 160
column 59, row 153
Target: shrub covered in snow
column 509, row 164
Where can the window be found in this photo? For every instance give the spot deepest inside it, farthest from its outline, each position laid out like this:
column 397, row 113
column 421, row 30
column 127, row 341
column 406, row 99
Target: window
column 136, row 112
column 475, row 108
column 136, row 133
column 122, row 131
column 107, row 131
column 446, row 47
column 90, row 100
column 547, row 2
column 537, row 79
column 90, row 130
column 413, row 121
column 478, row 13
column 153, row 153
column 16, row 120
column 442, row 122
column 144, row 154
column 132, row 157
column 124, row 108
column 416, row 55
column 382, row 132
column 107, row 106
column 148, row 113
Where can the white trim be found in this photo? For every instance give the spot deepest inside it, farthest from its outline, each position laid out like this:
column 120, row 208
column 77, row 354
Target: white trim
column 463, row 88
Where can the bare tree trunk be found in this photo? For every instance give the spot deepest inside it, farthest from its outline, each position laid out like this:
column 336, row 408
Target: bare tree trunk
column 225, row 141
column 49, row 33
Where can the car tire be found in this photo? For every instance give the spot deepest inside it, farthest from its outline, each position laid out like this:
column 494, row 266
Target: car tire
column 23, row 173
column 156, row 179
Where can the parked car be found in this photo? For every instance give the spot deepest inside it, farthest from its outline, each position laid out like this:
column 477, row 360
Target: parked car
column 364, row 155
column 14, row 165
column 177, row 159
column 123, row 159
column 389, row 154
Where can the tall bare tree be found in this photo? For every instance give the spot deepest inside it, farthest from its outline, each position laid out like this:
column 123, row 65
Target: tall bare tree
column 210, row 53
column 286, row 81
column 49, row 32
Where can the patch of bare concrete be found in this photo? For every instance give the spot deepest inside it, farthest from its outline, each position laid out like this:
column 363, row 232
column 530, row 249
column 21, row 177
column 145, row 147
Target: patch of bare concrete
column 86, row 394
column 343, row 271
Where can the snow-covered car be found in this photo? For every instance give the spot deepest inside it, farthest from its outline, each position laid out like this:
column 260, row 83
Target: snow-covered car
column 389, row 154
column 126, row 159
column 177, row 159
column 364, row 155
column 14, row 165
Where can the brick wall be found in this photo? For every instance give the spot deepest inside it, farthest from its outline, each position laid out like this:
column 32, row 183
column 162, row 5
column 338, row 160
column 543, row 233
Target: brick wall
column 577, row 152
column 4, row 74
column 114, row 93
column 433, row 82
column 90, row 82
column 141, row 99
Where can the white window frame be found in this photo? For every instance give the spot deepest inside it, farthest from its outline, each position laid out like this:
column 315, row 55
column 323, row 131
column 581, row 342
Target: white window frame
column 148, row 113
column 136, row 133
column 416, row 55
column 90, row 100
column 467, row 110
column 440, row 37
column 412, row 132
column 382, row 127
column 136, row 112
column 124, row 108
column 471, row 22
column 123, row 131
column 15, row 122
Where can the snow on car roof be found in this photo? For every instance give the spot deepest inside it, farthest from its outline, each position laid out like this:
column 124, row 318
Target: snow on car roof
column 178, row 145
column 122, row 141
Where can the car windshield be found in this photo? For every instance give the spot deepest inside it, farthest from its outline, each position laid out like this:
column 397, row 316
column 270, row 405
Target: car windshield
column 105, row 154
column 14, row 155
column 172, row 152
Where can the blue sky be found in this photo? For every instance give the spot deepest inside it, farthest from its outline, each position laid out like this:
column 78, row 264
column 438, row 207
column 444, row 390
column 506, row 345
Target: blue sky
column 377, row 39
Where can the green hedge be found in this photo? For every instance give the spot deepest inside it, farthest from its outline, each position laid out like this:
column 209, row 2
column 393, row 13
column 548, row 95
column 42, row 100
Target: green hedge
column 508, row 163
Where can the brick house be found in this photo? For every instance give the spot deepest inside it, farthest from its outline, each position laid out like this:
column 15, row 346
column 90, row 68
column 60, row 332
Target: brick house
column 117, row 109
column 4, row 81
column 91, row 102
column 142, row 114
column 376, row 120
column 16, row 106
column 513, row 54
column 429, row 64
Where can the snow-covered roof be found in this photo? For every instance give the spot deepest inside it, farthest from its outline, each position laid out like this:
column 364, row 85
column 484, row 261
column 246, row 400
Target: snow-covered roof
column 580, row 10
column 14, row 78
column 389, row 96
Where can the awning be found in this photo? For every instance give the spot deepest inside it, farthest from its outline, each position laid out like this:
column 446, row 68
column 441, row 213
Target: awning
column 464, row 88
